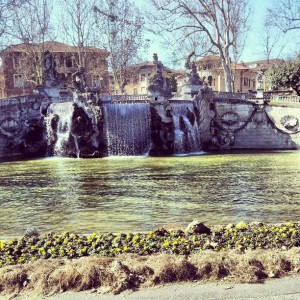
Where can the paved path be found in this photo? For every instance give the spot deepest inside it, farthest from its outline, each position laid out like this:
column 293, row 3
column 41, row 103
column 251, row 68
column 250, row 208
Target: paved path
column 287, row 288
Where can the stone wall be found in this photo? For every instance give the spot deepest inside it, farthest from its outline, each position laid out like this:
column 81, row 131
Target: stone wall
column 224, row 124
column 236, row 124
column 21, row 125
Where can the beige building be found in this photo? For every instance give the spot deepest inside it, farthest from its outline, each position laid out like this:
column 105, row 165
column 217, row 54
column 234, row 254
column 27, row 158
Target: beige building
column 210, row 69
column 138, row 78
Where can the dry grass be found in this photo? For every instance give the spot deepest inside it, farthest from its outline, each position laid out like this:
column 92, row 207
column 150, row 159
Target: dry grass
column 115, row 275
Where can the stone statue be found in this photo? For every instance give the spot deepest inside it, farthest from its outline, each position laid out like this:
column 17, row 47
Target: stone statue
column 259, row 79
column 79, row 82
column 187, row 64
column 191, row 70
column 50, row 74
column 193, row 76
column 158, row 85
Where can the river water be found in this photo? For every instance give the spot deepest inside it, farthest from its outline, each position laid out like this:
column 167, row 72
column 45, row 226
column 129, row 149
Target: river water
column 141, row 193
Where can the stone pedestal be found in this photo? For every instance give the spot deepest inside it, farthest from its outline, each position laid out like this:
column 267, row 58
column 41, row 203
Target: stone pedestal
column 259, row 94
column 189, row 90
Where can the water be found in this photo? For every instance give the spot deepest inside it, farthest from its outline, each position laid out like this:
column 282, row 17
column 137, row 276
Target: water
column 65, row 112
column 141, row 193
column 187, row 134
column 127, row 128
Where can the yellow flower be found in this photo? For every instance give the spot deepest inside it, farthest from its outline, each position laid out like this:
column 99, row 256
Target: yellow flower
column 166, row 244
column 42, row 251
column 2, row 245
column 290, row 224
column 241, row 225
column 150, row 234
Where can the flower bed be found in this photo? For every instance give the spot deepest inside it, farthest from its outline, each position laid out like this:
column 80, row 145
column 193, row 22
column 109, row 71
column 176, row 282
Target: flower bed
column 241, row 237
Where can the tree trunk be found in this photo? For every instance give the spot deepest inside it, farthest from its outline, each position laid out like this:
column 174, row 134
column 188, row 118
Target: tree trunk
column 227, row 74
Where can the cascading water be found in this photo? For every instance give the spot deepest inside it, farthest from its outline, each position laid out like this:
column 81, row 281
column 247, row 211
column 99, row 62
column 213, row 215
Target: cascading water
column 59, row 127
column 127, row 130
column 127, row 127
column 187, row 133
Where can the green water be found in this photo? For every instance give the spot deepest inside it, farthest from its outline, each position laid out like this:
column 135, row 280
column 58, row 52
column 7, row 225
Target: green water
column 141, row 193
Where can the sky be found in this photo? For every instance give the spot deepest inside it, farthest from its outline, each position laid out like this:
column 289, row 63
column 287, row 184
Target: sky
column 252, row 49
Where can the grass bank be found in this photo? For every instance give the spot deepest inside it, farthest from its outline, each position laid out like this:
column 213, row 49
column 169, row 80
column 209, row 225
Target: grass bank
column 51, row 263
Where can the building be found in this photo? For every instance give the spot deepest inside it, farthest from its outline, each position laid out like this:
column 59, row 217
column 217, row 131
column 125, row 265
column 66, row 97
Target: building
column 138, row 78
column 22, row 66
column 245, row 73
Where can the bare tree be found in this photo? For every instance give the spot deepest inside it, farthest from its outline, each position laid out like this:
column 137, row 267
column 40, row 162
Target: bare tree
column 223, row 22
column 6, row 7
column 78, row 29
column 29, row 25
column 285, row 14
column 272, row 41
column 121, row 25
column 77, row 25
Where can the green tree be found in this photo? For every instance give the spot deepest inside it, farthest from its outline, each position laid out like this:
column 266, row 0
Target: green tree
column 285, row 75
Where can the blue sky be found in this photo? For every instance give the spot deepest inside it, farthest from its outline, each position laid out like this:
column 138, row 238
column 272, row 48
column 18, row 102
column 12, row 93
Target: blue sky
column 252, row 49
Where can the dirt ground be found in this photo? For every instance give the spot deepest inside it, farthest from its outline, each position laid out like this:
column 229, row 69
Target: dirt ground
column 285, row 288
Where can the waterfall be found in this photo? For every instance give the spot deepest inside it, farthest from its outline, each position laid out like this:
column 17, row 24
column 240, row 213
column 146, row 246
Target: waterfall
column 77, row 150
column 187, row 132
column 63, row 114
column 127, row 127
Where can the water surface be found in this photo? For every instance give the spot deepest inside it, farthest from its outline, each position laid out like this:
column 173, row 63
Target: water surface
column 140, row 193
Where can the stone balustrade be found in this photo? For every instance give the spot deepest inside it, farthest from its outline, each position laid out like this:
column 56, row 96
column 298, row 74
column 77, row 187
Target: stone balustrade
column 125, row 98
column 285, row 98
column 17, row 100
column 228, row 95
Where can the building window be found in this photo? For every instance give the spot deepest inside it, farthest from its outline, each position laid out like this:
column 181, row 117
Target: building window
column 142, row 90
column 69, row 62
column 135, row 91
column 96, row 82
column 143, row 77
column 18, row 81
column 15, row 61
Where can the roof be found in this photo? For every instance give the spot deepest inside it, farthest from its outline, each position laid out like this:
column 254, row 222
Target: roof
column 265, row 61
column 146, row 64
column 263, row 64
column 208, row 58
column 52, row 46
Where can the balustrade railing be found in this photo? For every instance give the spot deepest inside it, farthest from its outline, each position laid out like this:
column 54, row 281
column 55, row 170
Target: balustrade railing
column 285, row 98
column 17, row 100
column 228, row 95
column 124, row 97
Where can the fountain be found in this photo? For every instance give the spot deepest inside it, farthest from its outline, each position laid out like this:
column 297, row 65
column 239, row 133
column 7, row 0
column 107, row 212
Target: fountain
column 76, row 122
column 127, row 128
column 90, row 127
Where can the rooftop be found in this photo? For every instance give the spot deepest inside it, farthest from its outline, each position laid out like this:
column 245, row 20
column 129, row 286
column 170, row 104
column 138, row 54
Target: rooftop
column 52, row 46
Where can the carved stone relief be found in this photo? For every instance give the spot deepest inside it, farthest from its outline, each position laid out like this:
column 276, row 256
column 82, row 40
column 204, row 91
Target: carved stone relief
column 290, row 123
